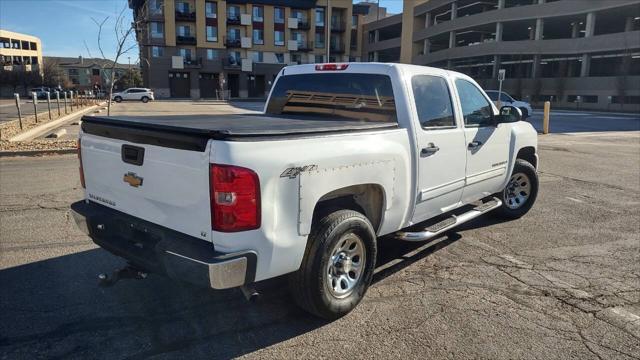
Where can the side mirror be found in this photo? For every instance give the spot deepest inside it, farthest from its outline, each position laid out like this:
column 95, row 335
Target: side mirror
column 508, row 114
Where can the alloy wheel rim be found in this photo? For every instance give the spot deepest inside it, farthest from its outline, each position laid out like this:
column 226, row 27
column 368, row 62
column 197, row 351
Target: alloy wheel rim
column 518, row 191
column 345, row 266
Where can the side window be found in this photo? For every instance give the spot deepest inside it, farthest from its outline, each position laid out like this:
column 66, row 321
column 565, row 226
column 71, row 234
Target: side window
column 505, row 97
column 433, row 101
column 476, row 109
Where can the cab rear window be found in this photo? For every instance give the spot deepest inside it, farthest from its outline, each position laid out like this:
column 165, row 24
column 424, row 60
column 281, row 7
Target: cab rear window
column 335, row 96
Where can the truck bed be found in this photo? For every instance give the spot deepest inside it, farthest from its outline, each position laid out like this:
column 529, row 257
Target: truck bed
column 236, row 125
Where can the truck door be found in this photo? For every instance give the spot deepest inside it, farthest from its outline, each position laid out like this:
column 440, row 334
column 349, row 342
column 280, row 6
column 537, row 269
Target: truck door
column 441, row 148
column 487, row 146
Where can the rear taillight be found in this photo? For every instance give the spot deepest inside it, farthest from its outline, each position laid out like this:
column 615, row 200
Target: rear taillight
column 331, row 67
column 80, row 159
column 235, row 198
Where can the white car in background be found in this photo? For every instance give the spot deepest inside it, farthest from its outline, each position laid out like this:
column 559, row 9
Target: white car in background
column 141, row 94
column 506, row 99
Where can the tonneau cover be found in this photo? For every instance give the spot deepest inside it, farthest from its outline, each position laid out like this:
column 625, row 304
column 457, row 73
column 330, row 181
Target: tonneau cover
column 230, row 125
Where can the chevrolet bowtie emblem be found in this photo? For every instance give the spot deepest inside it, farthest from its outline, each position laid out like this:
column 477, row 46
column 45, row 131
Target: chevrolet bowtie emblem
column 132, row 179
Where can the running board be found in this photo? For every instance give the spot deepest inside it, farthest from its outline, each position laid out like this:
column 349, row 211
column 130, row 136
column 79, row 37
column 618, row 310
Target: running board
column 450, row 222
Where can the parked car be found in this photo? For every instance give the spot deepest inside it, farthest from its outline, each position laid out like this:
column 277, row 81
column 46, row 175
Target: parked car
column 41, row 92
column 141, row 94
column 506, row 99
column 343, row 154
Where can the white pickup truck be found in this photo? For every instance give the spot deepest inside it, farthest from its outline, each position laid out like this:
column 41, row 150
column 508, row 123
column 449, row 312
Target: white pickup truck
column 343, row 154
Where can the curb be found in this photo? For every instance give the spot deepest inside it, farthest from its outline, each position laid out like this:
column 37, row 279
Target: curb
column 37, row 152
column 42, row 129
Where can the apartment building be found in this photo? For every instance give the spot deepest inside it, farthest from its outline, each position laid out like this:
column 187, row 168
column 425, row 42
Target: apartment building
column 582, row 54
column 86, row 73
column 20, row 52
column 202, row 49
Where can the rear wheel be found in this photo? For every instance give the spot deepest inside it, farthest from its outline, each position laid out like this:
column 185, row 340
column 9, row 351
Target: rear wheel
column 521, row 191
column 338, row 265
column 145, row 99
column 117, row 99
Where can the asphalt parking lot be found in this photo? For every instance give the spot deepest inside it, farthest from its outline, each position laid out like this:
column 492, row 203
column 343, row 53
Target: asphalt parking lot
column 563, row 282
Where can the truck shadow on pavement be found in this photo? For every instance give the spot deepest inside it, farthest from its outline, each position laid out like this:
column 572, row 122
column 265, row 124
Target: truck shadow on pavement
column 54, row 308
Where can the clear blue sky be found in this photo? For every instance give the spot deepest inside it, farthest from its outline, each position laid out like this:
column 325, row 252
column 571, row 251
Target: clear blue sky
column 64, row 26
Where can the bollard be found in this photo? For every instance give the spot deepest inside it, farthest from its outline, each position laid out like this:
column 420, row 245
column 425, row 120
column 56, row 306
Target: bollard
column 34, row 96
column 65, row 102
column 545, row 119
column 49, row 103
column 71, row 100
column 58, row 101
column 17, row 96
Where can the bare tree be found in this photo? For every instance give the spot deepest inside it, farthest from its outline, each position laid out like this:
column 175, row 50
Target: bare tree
column 123, row 32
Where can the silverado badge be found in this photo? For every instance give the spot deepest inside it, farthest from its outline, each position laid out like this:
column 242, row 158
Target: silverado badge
column 132, row 179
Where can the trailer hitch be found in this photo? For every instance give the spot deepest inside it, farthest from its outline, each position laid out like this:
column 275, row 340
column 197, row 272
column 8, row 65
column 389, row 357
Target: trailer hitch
column 127, row 272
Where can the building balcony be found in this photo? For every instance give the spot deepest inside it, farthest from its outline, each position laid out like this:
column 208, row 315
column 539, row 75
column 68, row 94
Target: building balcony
column 232, row 42
column 303, row 24
column 233, row 20
column 185, row 16
column 337, row 27
column 192, row 63
column 336, row 48
column 230, row 63
column 305, row 46
column 185, row 40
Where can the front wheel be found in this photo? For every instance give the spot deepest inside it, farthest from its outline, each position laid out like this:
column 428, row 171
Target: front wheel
column 117, row 99
column 521, row 191
column 338, row 265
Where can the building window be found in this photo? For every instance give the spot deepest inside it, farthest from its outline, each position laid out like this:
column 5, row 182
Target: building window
column 234, row 58
column 296, row 58
column 15, row 44
column 278, row 15
column 182, row 7
column 279, row 38
column 319, row 58
column 352, row 59
column 280, row 58
column 320, row 17
column 155, row 7
column 258, row 57
column 212, row 33
column 34, row 60
column 184, row 30
column 157, row 30
column 25, row 45
column 211, row 10
column 34, row 46
column 258, row 36
column 258, row 13
column 157, row 51
column 213, row 54
column 186, row 54
column 354, row 21
column 5, row 43
column 319, row 40
column 233, row 34
column 233, row 12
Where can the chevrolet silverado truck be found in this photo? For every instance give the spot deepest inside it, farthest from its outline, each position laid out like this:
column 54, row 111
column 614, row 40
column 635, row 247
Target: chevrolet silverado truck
column 343, row 154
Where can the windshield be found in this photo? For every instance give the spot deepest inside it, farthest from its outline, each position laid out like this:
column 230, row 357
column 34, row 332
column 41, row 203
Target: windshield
column 362, row 97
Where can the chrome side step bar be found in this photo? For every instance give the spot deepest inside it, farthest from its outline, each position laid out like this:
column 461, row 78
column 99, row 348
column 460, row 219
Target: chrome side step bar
column 449, row 223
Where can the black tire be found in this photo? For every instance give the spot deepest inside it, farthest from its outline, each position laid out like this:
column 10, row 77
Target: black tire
column 525, row 113
column 309, row 285
column 117, row 99
column 145, row 99
column 531, row 179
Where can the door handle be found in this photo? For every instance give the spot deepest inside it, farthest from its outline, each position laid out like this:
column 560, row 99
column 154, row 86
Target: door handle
column 474, row 144
column 429, row 150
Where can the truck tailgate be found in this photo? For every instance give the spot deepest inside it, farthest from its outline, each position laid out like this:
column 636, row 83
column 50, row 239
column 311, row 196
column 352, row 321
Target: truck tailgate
column 166, row 186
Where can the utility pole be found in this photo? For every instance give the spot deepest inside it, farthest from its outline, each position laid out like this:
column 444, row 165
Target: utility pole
column 328, row 28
